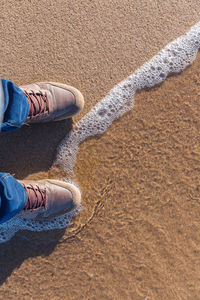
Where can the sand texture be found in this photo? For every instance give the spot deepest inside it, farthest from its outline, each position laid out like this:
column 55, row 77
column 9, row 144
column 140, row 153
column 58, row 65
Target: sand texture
column 138, row 234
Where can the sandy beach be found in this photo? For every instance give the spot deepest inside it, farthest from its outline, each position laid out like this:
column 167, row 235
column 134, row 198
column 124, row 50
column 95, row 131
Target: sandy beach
column 137, row 236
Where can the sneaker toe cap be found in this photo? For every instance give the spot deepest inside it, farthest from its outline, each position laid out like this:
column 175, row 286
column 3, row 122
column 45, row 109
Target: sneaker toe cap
column 63, row 197
column 69, row 100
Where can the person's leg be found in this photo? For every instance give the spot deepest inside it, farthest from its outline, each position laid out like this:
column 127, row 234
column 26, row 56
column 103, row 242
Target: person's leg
column 14, row 106
column 39, row 200
column 34, row 103
column 37, row 103
column 13, row 197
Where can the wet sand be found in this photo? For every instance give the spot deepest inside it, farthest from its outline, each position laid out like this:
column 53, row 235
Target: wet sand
column 138, row 234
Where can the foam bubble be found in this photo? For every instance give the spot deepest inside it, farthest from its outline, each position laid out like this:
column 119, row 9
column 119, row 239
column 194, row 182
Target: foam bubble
column 175, row 57
column 8, row 229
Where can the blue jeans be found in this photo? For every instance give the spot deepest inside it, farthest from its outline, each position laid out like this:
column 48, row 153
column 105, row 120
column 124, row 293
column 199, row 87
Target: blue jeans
column 15, row 106
column 14, row 109
column 13, row 197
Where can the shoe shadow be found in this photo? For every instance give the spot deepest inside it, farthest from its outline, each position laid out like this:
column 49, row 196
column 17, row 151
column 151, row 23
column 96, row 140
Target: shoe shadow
column 32, row 148
column 26, row 151
column 23, row 245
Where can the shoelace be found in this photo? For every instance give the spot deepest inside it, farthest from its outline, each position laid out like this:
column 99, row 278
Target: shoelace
column 40, row 198
column 42, row 101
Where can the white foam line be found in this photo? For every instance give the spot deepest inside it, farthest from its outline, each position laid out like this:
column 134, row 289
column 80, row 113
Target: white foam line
column 2, row 103
column 173, row 58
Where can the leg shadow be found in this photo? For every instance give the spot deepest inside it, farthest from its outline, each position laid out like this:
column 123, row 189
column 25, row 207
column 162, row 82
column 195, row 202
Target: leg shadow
column 23, row 245
column 29, row 150
column 32, row 148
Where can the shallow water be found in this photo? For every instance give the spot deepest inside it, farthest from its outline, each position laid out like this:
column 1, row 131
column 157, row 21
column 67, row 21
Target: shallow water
column 175, row 57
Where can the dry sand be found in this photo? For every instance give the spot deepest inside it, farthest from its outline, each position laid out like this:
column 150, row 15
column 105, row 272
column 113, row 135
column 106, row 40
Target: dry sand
column 138, row 235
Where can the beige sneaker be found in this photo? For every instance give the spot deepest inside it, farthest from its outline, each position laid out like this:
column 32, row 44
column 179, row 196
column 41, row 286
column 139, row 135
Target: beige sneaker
column 50, row 101
column 47, row 199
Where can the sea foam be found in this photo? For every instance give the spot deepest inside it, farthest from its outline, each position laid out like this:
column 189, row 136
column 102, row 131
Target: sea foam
column 175, row 57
